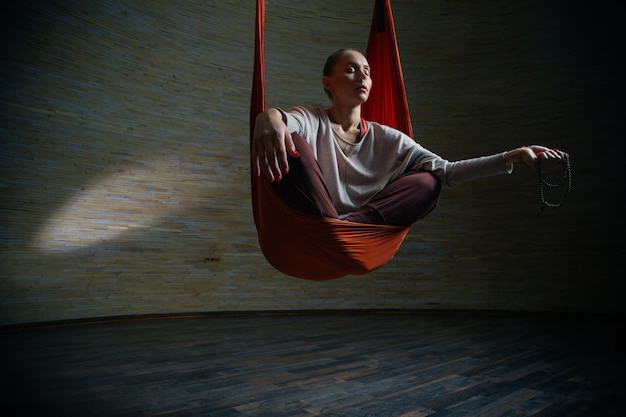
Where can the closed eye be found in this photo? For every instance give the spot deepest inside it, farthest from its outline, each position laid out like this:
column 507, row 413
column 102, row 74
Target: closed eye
column 353, row 67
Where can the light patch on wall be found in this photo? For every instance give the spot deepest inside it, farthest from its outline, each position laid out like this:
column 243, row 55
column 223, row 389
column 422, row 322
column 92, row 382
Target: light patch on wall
column 132, row 199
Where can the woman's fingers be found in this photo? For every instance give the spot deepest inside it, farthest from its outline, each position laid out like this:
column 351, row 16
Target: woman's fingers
column 270, row 141
column 270, row 162
column 552, row 159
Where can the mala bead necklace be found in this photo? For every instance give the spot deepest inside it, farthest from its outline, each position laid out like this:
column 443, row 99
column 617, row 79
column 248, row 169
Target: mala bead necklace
column 567, row 177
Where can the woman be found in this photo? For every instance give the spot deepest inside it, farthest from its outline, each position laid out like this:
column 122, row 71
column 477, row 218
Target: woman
column 332, row 163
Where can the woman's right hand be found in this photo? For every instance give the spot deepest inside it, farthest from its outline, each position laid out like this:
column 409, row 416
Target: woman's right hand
column 271, row 141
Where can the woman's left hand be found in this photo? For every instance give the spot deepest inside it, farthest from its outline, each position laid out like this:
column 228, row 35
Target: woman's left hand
column 551, row 159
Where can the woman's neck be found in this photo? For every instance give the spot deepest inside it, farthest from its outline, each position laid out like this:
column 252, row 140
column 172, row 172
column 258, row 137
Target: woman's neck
column 348, row 118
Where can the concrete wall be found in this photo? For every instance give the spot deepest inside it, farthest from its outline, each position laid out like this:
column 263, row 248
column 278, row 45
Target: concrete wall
column 124, row 149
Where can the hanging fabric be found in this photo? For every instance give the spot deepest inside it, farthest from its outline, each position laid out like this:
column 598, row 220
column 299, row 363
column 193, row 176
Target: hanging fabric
column 324, row 248
column 387, row 103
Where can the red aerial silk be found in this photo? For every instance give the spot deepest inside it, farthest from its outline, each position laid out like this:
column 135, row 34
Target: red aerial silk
column 306, row 247
column 387, row 103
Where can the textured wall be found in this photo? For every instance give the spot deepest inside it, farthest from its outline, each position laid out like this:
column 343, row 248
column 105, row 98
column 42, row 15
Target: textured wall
column 124, row 149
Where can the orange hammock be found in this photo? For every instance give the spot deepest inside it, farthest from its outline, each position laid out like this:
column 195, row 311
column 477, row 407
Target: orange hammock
column 306, row 247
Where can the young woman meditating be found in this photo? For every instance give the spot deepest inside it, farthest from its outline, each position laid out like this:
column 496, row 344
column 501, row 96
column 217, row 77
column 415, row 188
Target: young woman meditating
column 333, row 163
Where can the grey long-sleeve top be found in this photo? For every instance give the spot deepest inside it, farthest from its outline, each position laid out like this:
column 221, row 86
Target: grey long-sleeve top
column 354, row 173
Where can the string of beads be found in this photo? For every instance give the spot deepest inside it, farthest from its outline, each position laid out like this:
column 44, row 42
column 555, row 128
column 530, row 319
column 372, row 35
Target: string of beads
column 566, row 177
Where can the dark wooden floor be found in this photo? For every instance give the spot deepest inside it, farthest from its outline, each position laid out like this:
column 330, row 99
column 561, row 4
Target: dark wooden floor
column 409, row 365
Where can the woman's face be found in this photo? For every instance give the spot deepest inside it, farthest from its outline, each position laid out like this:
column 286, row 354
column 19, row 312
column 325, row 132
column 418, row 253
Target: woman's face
column 349, row 82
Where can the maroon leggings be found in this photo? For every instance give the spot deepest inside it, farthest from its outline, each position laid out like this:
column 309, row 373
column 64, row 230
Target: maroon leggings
column 401, row 203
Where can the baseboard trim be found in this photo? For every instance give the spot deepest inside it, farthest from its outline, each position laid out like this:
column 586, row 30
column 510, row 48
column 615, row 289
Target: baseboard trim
column 266, row 313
